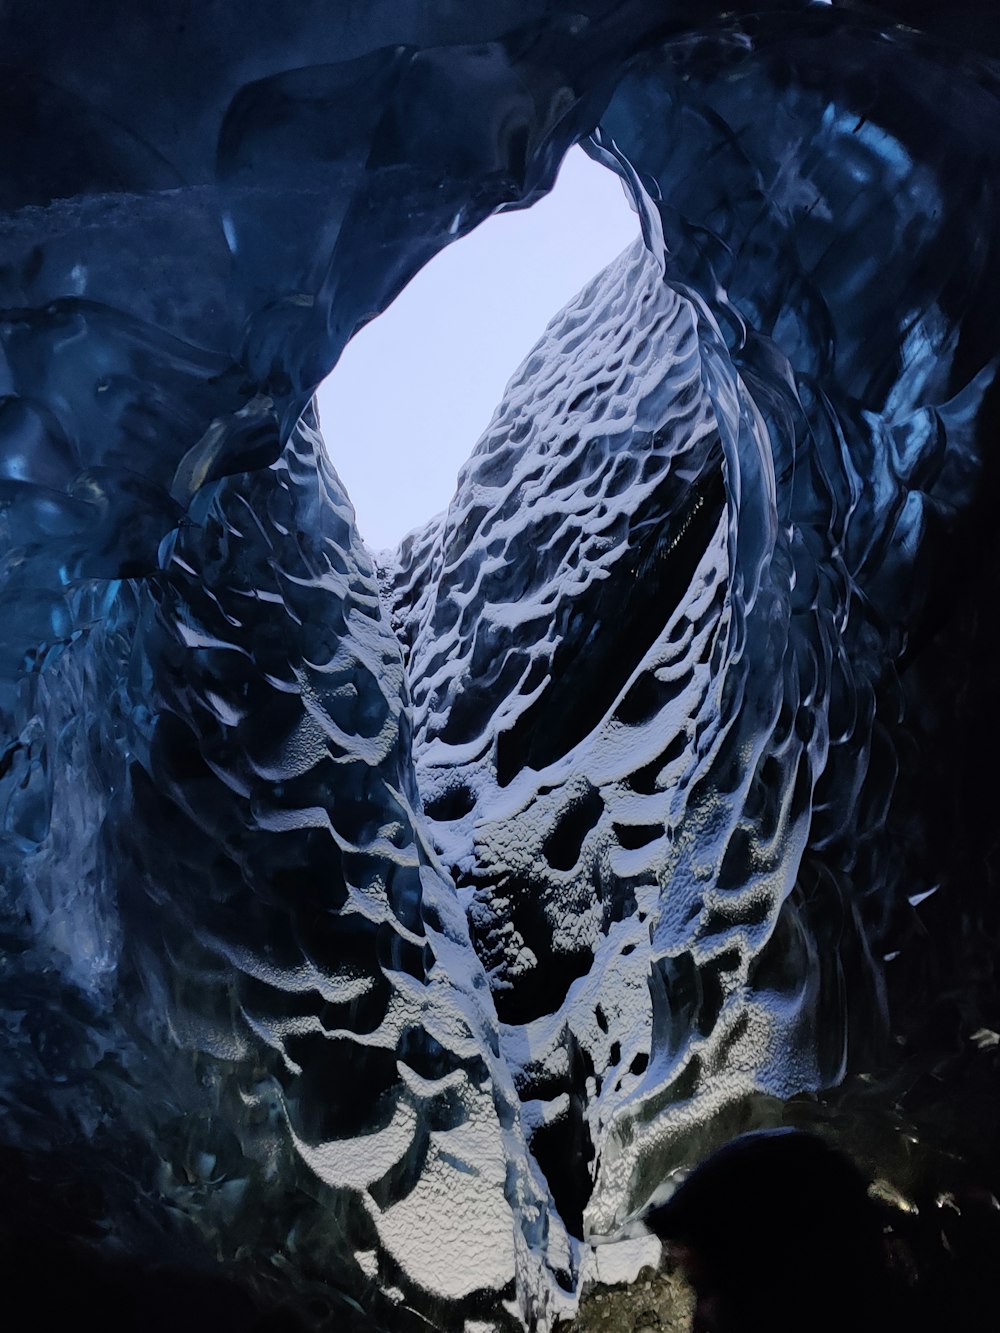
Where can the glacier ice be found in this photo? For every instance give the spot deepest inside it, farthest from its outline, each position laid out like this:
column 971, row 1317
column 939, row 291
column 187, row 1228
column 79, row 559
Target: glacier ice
column 394, row 931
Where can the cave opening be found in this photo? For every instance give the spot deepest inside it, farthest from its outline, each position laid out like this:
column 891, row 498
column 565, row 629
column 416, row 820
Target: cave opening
column 414, row 389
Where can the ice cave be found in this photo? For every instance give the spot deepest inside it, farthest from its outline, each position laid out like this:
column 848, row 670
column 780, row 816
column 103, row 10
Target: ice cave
column 381, row 936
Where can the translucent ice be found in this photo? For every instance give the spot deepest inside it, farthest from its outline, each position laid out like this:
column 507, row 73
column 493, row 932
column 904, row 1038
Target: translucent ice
column 397, row 931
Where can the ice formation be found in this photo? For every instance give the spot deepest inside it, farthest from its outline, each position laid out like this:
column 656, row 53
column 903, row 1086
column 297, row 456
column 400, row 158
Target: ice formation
column 398, row 930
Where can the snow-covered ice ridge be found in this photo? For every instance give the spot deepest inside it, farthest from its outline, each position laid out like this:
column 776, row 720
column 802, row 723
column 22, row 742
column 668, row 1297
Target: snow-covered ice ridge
column 396, row 931
column 573, row 648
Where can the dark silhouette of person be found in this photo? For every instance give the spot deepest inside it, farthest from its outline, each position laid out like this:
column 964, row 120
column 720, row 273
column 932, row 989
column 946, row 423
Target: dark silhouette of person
column 776, row 1232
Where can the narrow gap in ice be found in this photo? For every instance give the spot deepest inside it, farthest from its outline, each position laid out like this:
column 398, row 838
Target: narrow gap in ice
column 415, row 388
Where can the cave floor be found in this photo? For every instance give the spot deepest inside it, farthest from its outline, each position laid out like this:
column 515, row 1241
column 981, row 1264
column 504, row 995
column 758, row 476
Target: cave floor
column 659, row 1301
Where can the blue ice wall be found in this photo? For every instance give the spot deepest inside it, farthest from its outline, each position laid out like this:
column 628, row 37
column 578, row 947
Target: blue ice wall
column 395, row 932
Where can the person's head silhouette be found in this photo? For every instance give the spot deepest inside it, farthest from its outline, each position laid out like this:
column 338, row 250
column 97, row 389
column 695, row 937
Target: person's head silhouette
column 776, row 1233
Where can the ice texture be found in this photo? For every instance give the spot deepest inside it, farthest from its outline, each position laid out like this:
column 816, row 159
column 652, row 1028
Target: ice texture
column 396, row 931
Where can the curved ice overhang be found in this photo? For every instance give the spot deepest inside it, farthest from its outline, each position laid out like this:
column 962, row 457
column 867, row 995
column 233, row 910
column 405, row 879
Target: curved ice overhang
column 253, row 899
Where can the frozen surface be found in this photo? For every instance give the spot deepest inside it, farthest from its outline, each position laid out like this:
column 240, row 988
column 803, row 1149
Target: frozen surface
column 398, row 930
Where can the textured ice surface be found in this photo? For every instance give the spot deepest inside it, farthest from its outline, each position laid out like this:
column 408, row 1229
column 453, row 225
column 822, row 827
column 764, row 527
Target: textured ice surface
column 399, row 930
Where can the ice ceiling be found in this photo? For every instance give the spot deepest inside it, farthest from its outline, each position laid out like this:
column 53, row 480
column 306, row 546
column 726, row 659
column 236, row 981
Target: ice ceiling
column 399, row 929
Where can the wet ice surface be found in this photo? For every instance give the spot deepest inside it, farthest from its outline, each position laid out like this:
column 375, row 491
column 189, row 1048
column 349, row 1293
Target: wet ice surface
column 400, row 929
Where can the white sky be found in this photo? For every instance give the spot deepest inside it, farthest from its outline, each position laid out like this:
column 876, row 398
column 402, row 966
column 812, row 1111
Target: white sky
column 414, row 390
